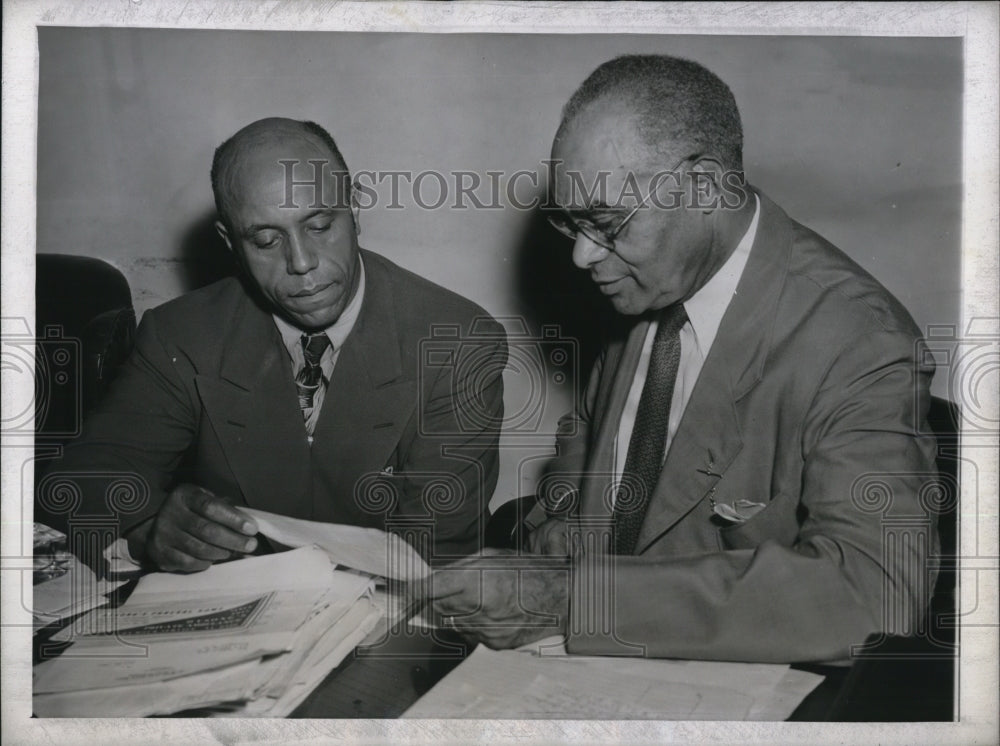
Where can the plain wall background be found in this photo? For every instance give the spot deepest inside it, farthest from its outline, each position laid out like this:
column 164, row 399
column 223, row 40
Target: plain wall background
column 858, row 138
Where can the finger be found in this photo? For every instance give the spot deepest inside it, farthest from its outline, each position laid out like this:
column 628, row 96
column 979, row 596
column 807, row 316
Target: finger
column 559, row 544
column 446, row 583
column 217, row 535
column 489, row 552
column 538, row 540
column 452, row 607
column 193, row 546
column 472, row 626
column 441, row 589
column 535, row 542
column 217, row 510
column 169, row 559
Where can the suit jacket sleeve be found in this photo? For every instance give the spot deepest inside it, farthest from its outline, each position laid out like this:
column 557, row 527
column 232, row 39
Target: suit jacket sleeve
column 122, row 466
column 841, row 579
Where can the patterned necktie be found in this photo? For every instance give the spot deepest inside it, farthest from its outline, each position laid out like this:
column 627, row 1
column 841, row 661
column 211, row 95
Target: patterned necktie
column 310, row 378
column 649, row 434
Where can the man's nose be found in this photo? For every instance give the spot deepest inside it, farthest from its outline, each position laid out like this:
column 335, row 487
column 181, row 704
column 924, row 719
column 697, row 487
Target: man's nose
column 586, row 252
column 301, row 257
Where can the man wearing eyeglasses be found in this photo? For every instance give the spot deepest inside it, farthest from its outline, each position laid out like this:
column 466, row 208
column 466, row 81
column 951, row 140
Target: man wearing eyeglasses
column 711, row 496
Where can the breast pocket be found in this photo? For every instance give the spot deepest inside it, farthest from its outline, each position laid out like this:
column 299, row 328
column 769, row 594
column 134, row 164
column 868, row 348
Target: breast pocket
column 777, row 522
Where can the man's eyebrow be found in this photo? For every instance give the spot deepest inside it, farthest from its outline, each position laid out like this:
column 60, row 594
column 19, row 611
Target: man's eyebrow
column 257, row 227
column 598, row 208
column 322, row 211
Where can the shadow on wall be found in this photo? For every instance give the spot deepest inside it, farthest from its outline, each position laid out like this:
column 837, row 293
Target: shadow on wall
column 554, row 291
column 204, row 256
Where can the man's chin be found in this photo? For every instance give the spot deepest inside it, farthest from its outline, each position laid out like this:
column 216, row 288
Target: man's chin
column 625, row 305
column 315, row 320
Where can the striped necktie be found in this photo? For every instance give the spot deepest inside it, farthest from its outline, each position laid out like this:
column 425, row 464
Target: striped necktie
column 310, row 378
column 649, row 434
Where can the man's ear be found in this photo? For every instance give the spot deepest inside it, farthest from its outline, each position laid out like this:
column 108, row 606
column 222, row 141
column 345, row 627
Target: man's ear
column 223, row 232
column 707, row 175
column 356, row 209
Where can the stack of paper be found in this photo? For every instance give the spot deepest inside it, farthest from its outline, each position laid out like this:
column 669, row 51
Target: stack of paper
column 252, row 637
column 63, row 586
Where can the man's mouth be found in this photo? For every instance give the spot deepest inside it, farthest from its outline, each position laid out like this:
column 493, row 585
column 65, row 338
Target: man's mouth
column 608, row 287
column 311, row 291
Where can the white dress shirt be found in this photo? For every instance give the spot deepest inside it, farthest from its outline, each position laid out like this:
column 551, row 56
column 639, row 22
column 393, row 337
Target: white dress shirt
column 705, row 310
column 337, row 333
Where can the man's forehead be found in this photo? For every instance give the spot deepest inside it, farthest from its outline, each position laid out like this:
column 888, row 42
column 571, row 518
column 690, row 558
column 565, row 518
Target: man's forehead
column 286, row 171
column 600, row 141
column 265, row 157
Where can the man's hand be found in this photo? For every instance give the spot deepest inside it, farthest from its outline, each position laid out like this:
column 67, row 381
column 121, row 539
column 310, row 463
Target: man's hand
column 551, row 537
column 193, row 529
column 501, row 599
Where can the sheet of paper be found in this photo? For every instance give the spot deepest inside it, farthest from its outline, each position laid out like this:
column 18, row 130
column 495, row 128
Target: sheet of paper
column 74, row 592
column 299, row 568
column 156, row 698
column 367, row 549
column 519, row 684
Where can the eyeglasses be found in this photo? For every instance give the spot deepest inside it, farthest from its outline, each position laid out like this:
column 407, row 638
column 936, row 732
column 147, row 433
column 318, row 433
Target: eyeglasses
column 571, row 227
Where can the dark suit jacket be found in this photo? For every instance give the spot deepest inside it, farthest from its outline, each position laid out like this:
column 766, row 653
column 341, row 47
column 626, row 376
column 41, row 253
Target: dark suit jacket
column 811, row 400
column 208, row 396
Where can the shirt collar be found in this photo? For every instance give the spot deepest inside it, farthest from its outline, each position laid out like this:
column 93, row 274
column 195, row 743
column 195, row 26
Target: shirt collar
column 706, row 308
column 337, row 331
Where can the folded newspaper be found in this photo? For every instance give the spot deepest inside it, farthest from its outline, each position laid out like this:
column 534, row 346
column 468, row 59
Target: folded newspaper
column 250, row 637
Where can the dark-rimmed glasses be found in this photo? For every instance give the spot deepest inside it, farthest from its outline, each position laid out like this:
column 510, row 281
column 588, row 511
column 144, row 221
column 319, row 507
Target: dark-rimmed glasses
column 571, row 227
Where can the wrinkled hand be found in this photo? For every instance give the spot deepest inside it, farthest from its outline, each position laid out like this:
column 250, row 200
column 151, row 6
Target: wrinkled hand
column 502, row 599
column 192, row 529
column 551, row 537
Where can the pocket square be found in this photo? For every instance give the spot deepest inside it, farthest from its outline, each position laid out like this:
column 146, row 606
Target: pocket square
column 739, row 512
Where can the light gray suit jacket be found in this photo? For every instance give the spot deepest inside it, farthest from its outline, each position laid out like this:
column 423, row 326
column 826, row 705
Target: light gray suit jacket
column 812, row 400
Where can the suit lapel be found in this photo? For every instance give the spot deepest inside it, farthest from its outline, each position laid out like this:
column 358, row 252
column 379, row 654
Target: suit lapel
column 369, row 400
column 253, row 409
column 709, row 436
column 706, row 442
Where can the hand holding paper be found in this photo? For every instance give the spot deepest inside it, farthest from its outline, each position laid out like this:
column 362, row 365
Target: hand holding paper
column 192, row 529
column 366, row 549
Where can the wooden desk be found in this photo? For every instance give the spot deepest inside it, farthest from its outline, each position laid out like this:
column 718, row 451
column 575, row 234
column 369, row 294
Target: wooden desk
column 383, row 680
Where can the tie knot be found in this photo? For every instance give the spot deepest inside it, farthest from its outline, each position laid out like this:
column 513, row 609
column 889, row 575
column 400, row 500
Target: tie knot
column 313, row 347
column 672, row 318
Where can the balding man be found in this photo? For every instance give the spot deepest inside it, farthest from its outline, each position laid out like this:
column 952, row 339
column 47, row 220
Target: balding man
column 712, row 492
column 298, row 388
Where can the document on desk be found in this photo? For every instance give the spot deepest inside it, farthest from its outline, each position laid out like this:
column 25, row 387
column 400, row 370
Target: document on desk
column 518, row 684
column 74, row 592
column 278, row 620
column 367, row 549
